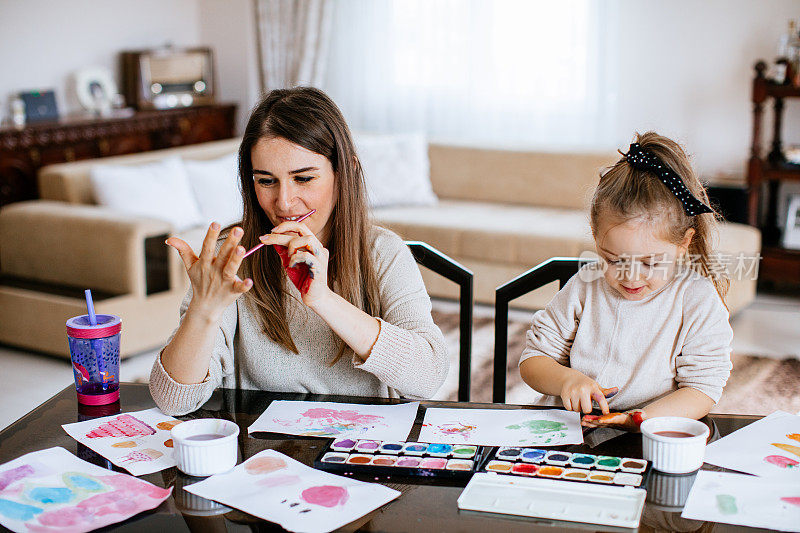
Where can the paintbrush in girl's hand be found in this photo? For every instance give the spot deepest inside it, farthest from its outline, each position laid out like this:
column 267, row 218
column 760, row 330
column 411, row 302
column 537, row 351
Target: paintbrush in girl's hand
column 257, row 246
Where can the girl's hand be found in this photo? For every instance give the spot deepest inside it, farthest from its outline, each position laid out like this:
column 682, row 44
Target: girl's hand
column 303, row 247
column 578, row 391
column 628, row 421
column 214, row 282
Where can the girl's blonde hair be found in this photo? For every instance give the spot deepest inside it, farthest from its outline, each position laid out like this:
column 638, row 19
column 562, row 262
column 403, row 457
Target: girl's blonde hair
column 309, row 118
column 627, row 193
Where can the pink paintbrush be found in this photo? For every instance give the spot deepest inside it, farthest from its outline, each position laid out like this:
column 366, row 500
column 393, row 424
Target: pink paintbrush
column 257, row 246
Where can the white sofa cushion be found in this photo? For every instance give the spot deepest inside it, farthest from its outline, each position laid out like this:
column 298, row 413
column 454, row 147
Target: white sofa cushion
column 396, row 169
column 158, row 190
column 216, row 187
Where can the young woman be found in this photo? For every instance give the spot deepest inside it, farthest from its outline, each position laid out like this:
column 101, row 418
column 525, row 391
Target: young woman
column 357, row 321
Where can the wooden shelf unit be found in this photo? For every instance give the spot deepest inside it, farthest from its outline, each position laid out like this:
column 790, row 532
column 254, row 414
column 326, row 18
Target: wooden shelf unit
column 23, row 151
column 764, row 174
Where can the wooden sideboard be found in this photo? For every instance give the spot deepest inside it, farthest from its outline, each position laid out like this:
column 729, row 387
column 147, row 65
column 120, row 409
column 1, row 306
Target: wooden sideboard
column 24, row 151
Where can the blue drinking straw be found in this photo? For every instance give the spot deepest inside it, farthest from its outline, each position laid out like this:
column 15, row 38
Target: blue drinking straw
column 97, row 344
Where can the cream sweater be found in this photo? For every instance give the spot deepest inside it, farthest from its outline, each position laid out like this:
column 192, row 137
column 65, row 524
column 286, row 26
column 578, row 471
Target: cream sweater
column 677, row 337
column 408, row 359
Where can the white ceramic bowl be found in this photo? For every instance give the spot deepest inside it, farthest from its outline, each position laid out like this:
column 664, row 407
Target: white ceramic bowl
column 674, row 455
column 208, row 456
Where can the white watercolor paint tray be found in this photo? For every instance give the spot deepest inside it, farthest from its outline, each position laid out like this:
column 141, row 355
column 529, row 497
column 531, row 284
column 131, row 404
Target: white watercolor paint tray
column 554, row 500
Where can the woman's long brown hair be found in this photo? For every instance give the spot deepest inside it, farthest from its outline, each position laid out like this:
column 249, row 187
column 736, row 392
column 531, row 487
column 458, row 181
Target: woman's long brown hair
column 308, row 117
column 627, row 193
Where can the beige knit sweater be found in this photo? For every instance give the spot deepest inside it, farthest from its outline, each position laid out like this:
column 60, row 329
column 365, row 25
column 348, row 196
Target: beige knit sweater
column 677, row 337
column 408, row 359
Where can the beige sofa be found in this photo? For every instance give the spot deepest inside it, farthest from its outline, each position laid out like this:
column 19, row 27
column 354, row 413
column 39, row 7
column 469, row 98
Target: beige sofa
column 500, row 213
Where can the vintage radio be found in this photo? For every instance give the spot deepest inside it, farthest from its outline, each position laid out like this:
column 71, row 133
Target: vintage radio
column 168, row 77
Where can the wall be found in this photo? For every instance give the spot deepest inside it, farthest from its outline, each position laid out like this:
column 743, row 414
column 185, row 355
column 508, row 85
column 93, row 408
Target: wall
column 685, row 69
column 43, row 42
column 684, row 66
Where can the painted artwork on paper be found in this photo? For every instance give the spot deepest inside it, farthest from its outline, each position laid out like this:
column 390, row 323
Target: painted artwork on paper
column 54, row 491
column 140, row 442
column 744, row 500
column 501, row 427
column 769, row 447
column 328, row 419
column 275, row 487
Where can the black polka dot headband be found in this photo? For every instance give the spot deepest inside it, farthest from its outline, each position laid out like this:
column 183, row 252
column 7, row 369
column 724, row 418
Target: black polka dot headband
column 642, row 159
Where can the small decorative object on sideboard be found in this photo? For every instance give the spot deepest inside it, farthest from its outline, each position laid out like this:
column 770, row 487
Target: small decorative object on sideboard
column 40, row 106
column 95, row 89
column 791, row 233
column 168, row 77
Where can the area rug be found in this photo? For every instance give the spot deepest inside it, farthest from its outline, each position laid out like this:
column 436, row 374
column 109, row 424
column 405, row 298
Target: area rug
column 757, row 386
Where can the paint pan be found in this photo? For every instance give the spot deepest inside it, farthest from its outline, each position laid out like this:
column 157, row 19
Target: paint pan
column 367, row 446
column 601, row 477
column 605, row 462
column 550, row 471
column 372, row 457
column 582, row 460
column 576, row 474
column 391, row 448
column 343, row 445
column 633, row 466
column 415, row 448
column 524, row 469
column 464, row 452
column 499, row 466
column 533, row 455
column 508, row 453
column 384, row 460
column 334, row 457
column 556, row 457
column 459, row 464
column 440, row 450
column 624, row 478
column 434, row 463
column 408, row 462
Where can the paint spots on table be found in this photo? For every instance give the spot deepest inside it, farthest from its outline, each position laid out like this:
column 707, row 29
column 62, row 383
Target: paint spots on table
column 781, row 461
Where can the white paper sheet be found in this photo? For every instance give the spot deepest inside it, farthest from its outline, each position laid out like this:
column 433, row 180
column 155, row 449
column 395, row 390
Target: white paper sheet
column 275, row 487
column 744, row 500
column 328, row 419
column 502, row 427
column 769, row 447
column 52, row 490
column 140, row 442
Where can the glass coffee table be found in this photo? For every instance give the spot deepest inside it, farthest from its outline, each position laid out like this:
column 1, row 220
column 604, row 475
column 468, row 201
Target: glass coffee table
column 425, row 504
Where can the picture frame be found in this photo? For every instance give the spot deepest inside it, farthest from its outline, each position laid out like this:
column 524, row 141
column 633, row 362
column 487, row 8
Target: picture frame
column 791, row 230
column 40, row 106
column 95, row 89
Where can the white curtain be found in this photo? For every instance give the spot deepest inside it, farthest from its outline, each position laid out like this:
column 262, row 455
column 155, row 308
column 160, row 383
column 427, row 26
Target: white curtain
column 505, row 73
column 292, row 41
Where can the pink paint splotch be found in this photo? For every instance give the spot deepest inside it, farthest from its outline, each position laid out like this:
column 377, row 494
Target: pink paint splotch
column 15, row 474
column 278, row 481
column 321, row 421
column 793, row 500
column 325, row 495
column 781, row 461
column 332, row 415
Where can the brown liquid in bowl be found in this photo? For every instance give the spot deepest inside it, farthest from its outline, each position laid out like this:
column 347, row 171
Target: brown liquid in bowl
column 674, row 434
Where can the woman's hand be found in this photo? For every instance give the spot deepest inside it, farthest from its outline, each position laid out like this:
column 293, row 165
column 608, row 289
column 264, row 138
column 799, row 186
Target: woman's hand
column 628, row 421
column 578, row 391
column 303, row 247
column 214, row 282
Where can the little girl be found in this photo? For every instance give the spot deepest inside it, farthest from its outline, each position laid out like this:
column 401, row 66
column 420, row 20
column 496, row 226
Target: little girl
column 645, row 330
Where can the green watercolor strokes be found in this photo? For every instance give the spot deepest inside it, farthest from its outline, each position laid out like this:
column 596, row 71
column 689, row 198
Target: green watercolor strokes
column 726, row 504
column 540, row 427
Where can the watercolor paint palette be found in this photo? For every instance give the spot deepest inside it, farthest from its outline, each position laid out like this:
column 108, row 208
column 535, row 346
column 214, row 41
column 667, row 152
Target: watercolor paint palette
column 554, row 500
column 401, row 458
column 568, row 466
